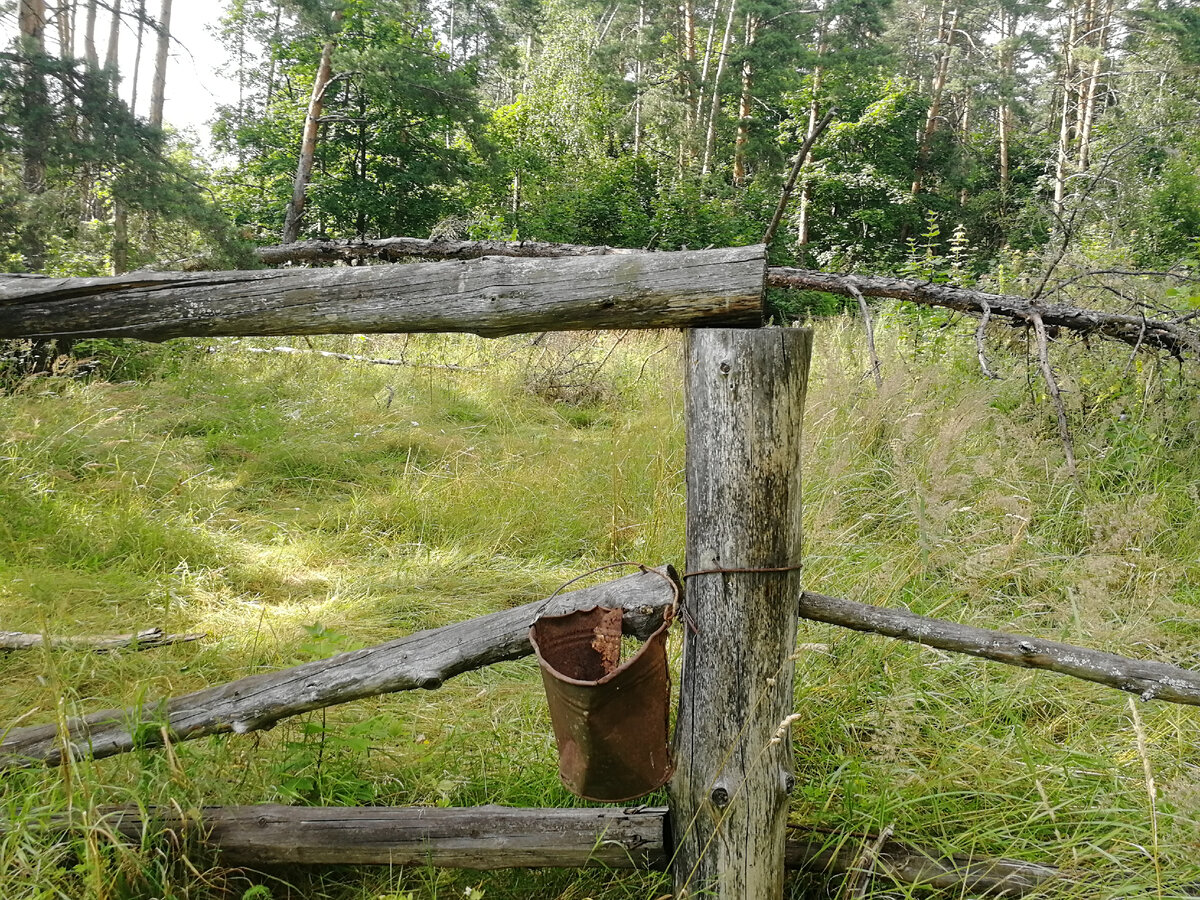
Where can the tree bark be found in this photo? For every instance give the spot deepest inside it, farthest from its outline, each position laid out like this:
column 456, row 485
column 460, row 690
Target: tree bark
column 745, row 108
column 111, row 60
column 423, row 660
column 142, row 640
column 308, row 142
column 498, row 837
column 35, row 110
column 89, row 37
column 946, row 38
column 137, row 56
column 745, row 395
column 1148, row 679
column 1064, row 129
column 159, row 93
column 490, row 297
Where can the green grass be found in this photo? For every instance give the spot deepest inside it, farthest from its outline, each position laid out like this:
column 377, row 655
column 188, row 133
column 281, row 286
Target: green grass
column 293, row 506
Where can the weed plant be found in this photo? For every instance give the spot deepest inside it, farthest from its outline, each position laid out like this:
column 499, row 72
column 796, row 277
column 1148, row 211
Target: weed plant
column 293, row 506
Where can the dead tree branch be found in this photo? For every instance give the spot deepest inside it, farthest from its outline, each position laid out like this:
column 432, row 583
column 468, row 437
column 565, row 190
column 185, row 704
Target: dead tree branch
column 353, row 357
column 148, row 639
column 1160, row 334
column 1148, row 679
column 1064, row 430
column 801, row 159
column 980, row 334
column 865, row 312
column 422, row 660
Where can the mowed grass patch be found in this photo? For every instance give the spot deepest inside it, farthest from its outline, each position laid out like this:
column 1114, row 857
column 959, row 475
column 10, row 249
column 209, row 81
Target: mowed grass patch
column 294, row 506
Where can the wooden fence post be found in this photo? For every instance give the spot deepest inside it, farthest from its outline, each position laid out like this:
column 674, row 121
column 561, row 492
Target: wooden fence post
column 745, row 400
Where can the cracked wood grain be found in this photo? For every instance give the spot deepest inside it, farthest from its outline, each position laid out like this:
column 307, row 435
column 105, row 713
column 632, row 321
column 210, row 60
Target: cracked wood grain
column 492, row 296
column 745, row 394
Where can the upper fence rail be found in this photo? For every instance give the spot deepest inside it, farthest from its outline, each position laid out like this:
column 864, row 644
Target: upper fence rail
column 489, row 296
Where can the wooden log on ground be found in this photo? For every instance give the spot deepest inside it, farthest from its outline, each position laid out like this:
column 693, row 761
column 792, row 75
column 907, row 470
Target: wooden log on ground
column 1148, row 679
column 494, row 837
column 492, row 296
column 146, row 639
column 745, row 395
column 1135, row 330
column 422, row 660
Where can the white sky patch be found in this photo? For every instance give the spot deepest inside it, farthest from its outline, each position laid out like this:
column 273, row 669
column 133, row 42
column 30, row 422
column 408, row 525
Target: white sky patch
column 196, row 80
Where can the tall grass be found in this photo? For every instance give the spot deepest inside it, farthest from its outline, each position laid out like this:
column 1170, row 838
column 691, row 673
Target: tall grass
column 293, row 506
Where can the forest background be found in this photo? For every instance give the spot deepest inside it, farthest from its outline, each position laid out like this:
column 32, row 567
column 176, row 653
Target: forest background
column 983, row 140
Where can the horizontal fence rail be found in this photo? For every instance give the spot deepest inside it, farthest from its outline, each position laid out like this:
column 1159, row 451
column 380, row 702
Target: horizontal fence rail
column 490, row 296
column 499, row 837
column 419, row 661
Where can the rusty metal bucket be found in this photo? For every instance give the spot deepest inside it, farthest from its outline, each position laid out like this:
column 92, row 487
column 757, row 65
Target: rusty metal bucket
column 610, row 718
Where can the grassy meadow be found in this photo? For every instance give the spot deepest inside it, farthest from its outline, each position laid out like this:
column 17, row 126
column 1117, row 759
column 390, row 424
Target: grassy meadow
column 293, row 506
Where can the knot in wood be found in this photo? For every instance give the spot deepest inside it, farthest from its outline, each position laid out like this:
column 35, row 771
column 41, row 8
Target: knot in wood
column 719, row 797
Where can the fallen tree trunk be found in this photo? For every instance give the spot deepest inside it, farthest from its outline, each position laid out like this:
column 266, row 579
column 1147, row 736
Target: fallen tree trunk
column 494, row 837
column 1148, row 679
column 422, row 660
column 1135, row 330
column 491, row 297
column 142, row 640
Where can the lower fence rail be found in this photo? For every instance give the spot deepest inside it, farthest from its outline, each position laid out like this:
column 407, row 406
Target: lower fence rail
column 496, row 837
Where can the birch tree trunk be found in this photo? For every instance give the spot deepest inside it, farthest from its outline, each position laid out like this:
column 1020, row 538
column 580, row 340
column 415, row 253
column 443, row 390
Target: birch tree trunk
column 308, row 143
column 1088, row 94
column 1064, row 129
column 137, row 55
column 1004, row 112
column 814, row 109
column 704, row 70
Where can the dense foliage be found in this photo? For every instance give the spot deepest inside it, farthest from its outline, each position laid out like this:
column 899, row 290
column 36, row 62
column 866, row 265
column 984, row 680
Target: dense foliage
column 1034, row 134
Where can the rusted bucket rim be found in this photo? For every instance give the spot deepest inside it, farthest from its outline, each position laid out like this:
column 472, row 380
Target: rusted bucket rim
column 668, row 617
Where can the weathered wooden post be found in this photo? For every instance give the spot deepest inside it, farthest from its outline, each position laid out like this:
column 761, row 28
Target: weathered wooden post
column 745, row 400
